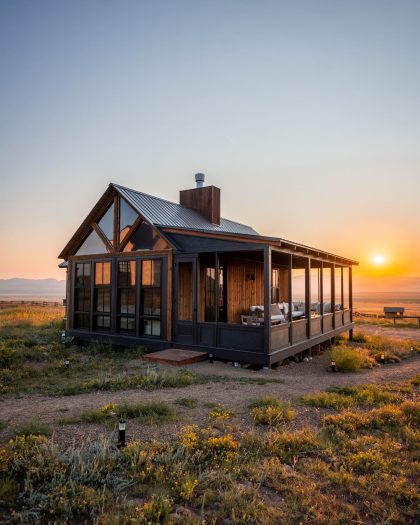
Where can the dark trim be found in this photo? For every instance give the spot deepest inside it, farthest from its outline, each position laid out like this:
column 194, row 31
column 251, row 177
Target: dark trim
column 267, row 298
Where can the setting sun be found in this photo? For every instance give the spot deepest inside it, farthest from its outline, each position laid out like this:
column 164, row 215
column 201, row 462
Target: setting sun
column 379, row 259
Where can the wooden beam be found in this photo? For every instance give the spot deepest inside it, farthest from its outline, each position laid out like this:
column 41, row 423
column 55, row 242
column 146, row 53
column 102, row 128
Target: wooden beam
column 130, row 232
column 108, row 245
column 333, row 294
column 116, row 221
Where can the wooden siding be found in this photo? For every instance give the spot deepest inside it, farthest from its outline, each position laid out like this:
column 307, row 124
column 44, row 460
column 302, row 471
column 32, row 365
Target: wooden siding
column 284, row 285
column 185, row 299
column 241, row 291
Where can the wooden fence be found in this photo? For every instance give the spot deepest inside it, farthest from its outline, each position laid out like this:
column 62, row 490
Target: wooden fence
column 11, row 304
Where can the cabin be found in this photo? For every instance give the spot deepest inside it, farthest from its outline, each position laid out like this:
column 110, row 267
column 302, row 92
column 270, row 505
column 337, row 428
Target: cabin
column 143, row 271
column 390, row 312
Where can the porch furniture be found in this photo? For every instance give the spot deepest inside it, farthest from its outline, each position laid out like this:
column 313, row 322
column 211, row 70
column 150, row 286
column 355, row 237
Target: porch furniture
column 252, row 320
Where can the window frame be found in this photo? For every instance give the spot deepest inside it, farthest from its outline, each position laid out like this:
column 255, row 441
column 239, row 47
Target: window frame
column 134, row 289
column 152, row 317
column 77, row 312
column 95, row 312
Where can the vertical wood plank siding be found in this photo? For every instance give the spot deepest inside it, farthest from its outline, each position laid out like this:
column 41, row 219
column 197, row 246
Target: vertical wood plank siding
column 185, row 298
column 243, row 292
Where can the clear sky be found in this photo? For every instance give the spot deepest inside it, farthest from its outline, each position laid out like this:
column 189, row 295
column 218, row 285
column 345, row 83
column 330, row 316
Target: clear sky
column 305, row 113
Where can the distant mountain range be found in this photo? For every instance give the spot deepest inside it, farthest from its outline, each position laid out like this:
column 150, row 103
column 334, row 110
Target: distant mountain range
column 37, row 287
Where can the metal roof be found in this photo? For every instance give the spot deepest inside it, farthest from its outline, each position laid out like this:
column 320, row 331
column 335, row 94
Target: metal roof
column 163, row 213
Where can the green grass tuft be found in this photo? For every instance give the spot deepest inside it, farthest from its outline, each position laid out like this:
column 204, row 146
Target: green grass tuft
column 33, row 427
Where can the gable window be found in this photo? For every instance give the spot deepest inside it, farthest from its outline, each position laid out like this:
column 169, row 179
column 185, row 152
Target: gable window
column 82, row 297
column 102, row 297
column 106, row 224
column 145, row 238
column 92, row 245
column 127, row 218
column 151, row 297
column 126, row 313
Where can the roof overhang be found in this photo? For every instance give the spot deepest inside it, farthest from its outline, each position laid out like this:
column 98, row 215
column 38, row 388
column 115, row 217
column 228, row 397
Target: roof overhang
column 274, row 242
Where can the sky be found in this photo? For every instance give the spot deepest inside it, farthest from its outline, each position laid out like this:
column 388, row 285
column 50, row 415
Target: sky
column 305, row 113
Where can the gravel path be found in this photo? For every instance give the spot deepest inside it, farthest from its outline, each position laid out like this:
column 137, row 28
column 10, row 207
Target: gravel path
column 297, row 379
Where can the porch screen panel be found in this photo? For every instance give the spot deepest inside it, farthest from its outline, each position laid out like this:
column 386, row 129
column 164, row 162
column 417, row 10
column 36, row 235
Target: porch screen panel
column 151, row 297
column 185, row 291
column 326, row 289
column 82, row 297
column 315, row 299
column 275, row 285
column 346, row 289
column 337, row 288
column 210, row 295
column 102, row 297
column 126, row 313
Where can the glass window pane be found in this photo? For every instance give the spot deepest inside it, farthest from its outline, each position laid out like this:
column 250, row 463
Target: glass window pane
column 156, row 328
column 146, row 273
column 127, row 324
column 126, row 274
column 106, row 224
column 102, row 322
column 145, row 238
column 151, row 301
column 127, row 218
column 81, row 321
column 92, row 245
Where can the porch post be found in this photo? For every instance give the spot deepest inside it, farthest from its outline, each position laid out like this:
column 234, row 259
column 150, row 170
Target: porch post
column 308, row 296
column 267, row 298
column 321, row 295
column 351, row 301
column 333, row 294
column 290, row 300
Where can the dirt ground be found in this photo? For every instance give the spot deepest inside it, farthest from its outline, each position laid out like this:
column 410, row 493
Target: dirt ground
column 296, row 379
column 400, row 333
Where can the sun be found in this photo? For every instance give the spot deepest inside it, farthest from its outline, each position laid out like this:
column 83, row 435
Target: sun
column 379, row 259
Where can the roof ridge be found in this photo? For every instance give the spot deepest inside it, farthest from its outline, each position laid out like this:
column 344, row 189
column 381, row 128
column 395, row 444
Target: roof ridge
column 175, row 203
column 146, row 194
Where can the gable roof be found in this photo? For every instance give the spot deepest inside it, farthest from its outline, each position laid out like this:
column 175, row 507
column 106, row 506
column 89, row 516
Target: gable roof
column 163, row 213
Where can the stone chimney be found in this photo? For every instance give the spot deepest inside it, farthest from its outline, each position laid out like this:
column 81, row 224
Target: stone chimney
column 204, row 199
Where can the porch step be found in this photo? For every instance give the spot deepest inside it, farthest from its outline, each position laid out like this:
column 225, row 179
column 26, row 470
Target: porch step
column 176, row 357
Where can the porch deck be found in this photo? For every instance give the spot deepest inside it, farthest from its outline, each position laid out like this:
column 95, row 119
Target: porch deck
column 176, row 357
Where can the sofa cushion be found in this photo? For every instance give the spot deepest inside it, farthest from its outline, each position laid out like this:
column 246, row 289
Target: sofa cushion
column 275, row 309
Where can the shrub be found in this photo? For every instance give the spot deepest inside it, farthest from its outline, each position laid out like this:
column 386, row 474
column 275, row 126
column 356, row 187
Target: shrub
column 187, row 402
column 368, row 462
column 327, row 400
column 359, row 337
column 290, row 446
column 148, row 413
column 33, row 427
column 220, row 413
column 157, row 509
column 348, row 359
column 270, row 411
column 205, row 446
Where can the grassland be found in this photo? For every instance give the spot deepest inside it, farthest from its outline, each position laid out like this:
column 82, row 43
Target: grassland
column 348, row 454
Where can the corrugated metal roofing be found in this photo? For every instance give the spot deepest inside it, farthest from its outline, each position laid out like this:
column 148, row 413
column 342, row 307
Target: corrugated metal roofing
column 165, row 213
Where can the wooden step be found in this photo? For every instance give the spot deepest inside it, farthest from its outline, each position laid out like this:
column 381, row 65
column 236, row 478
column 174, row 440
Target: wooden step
column 176, row 357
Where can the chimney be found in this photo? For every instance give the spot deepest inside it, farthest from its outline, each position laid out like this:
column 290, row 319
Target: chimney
column 204, row 199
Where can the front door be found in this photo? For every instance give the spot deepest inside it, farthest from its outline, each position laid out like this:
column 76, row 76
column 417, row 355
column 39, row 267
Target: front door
column 185, row 305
